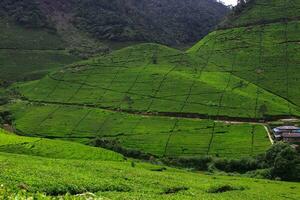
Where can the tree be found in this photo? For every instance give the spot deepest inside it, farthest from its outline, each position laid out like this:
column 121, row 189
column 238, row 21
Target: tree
column 284, row 162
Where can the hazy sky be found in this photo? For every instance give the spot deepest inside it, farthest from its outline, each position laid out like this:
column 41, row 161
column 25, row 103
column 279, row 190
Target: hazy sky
column 230, row 2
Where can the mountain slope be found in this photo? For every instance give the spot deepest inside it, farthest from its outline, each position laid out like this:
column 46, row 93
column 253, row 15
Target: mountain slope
column 164, row 21
column 110, row 98
column 242, row 74
column 27, row 54
column 264, row 12
column 266, row 53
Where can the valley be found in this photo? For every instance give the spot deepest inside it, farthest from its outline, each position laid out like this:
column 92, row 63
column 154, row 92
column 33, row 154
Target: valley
column 149, row 121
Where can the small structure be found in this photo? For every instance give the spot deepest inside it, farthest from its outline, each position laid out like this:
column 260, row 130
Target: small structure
column 289, row 134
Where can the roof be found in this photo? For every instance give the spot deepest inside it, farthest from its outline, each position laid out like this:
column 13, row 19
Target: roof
column 288, row 128
column 291, row 135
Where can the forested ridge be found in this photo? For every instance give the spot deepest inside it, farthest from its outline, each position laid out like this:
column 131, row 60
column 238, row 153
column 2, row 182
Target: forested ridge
column 164, row 21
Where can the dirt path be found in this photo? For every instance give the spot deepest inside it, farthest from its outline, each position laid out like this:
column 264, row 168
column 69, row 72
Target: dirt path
column 269, row 134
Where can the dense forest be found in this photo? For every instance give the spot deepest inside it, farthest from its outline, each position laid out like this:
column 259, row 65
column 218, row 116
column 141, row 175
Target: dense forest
column 163, row 21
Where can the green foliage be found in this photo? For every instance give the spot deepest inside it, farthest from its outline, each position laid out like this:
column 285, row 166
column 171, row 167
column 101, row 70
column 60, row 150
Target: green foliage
column 24, row 12
column 53, row 148
column 256, row 12
column 139, row 136
column 152, row 21
column 118, row 180
column 285, row 162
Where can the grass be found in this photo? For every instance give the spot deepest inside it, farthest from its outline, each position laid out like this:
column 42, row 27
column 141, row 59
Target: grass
column 53, row 149
column 52, row 169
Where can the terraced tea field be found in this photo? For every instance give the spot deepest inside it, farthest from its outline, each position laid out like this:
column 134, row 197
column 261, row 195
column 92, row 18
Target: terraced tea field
column 167, row 102
column 154, row 78
column 160, row 136
column 214, row 100
column 170, row 103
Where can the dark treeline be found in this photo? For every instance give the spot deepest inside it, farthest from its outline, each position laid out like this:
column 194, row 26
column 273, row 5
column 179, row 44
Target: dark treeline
column 280, row 162
column 24, row 12
column 163, row 21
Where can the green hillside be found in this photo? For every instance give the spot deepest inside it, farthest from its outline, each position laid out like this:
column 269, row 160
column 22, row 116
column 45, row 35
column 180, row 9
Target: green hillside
column 166, row 102
column 121, row 96
column 29, row 53
column 10, row 143
column 159, row 136
column 208, row 108
column 264, row 12
column 52, row 168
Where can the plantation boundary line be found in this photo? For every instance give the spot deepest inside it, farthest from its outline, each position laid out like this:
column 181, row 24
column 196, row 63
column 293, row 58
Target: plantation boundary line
column 81, row 85
column 260, row 62
column 79, row 122
column 47, row 117
column 199, row 75
column 157, row 97
column 154, row 56
column 287, row 66
column 162, row 82
column 99, row 100
column 156, row 92
column 221, row 98
column 172, row 100
column 103, row 123
column 220, row 103
column 138, row 75
column 52, row 112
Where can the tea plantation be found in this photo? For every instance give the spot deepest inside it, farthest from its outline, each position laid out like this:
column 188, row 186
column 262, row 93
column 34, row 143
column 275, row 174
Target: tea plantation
column 213, row 100
column 160, row 136
column 48, row 169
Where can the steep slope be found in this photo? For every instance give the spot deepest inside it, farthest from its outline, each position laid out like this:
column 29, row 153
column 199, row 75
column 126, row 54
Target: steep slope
column 164, row 21
column 263, row 12
column 264, row 51
column 112, row 97
column 242, row 74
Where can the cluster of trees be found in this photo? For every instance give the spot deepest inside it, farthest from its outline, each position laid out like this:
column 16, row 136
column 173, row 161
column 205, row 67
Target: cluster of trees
column 163, row 21
column 5, row 118
column 23, row 12
column 242, row 4
column 280, row 162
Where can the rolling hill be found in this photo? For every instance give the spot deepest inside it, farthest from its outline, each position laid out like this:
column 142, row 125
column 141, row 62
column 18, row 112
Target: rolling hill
column 242, row 74
column 213, row 101
column 41, row 35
